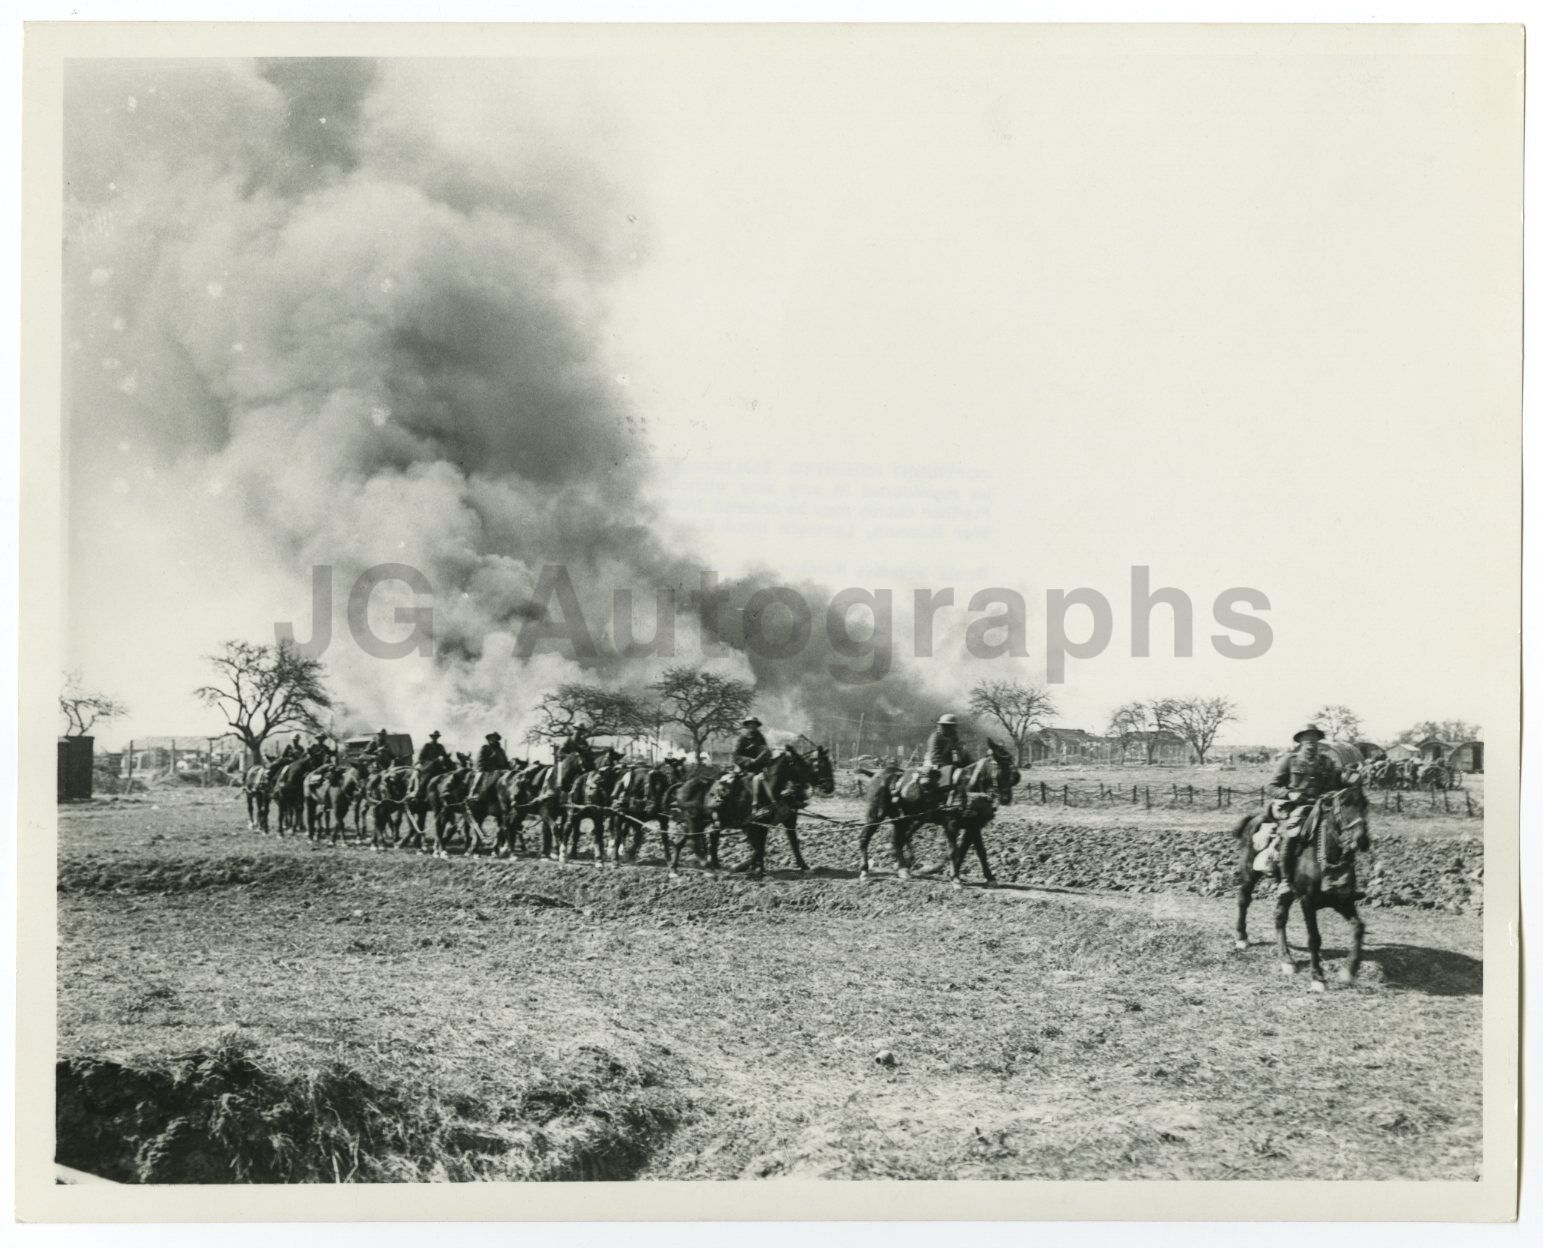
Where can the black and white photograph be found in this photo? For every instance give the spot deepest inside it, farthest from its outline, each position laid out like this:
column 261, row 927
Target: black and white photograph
column 765, row 609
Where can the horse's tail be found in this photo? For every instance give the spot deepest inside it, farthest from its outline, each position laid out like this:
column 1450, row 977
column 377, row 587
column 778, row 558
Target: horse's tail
column 1241, row 832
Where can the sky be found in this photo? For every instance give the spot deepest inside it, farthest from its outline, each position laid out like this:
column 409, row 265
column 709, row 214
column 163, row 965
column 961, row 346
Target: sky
column 1027, row 315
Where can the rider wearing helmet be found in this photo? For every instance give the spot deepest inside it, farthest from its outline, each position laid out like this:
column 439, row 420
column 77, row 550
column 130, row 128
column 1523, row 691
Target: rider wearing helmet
column 943, row 753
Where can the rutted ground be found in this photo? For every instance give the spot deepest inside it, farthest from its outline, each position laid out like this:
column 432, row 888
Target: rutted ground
column 515, row 1019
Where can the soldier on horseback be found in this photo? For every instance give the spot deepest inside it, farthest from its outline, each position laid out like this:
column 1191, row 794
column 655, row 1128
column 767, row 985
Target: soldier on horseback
column 751, row 755
column 944, row 753
column 1302, row 777
column 432, row 750
column 491, row 756
column 379, row 751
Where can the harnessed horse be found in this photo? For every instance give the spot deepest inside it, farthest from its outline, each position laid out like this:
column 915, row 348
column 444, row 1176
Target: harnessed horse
column 962, row 810
column 257, row 784
column 642, row 796
column 786, row 782
column 1320, row 870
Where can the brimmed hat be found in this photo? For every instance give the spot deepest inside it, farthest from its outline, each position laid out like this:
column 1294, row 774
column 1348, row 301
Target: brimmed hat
column 750, row 721
column 493, row 736
column 1312, row 731
column 434, row 736
column 948, row 719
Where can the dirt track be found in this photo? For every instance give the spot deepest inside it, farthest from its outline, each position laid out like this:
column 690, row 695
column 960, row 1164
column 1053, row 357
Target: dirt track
column 515, row 1019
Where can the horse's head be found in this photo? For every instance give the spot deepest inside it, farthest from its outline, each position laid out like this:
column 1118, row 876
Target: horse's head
column 1005, row 773
column 1350, row 808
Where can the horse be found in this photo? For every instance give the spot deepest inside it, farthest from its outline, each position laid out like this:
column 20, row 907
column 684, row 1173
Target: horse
column 900, row 799
column 788, row 779
column 386, row 794
column 687, row 804
column 590, row 798
column 1321, row 873
column 342, row 792
column 642, row 796
column 551, row 804
column 289, row 791
column 259, row 796
column 418, row 804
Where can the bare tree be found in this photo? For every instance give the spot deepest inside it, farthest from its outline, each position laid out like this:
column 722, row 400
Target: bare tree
column 606, row 712
column 1021, row 709
column 705, row 704
column 1339, row 723
column 1142, row 721
column 83, row 709
column 261, row 689
column 1198, row 720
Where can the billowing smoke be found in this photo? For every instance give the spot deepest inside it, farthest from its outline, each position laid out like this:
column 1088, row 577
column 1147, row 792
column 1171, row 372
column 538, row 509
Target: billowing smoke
column 361, row 306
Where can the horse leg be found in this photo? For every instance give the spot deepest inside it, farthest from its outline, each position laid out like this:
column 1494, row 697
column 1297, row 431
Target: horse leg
column 713, row 837
column 1248, row 878
column 900, row 842
column 1288, row 964
column 791, row 828
column 956, row 848
column 1348, row 912
column 1314, row 941
column 863, row 838
column 978, row 839
column 755, row 836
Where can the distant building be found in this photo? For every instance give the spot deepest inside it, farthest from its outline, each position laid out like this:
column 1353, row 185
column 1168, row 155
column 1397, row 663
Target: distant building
column 1467, row 757
column 1066, row 745
column 1433, row 750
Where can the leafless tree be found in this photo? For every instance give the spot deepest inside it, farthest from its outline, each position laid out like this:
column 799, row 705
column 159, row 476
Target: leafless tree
column 1143, row 721
column 1198, row 720
column 606, row 712
column 261, row 689
column 84, row 709
column 1021, row 709
column 705, row 704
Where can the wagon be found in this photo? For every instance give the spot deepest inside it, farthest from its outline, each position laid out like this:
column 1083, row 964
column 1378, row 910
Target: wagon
column 399, row 743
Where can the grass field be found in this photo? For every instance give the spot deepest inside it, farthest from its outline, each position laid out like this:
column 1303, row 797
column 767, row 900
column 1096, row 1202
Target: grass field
column 236, row 1007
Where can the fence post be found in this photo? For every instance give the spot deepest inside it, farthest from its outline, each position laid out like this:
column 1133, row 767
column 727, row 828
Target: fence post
column 128, row 786
column 1133, row 795
column 1044, row 793
column 1398, row 802
column 1149, row 797
column 1066, row 795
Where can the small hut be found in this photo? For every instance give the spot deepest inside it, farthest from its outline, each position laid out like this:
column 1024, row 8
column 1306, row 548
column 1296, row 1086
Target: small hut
column 1433, row 750
column 1369, row 752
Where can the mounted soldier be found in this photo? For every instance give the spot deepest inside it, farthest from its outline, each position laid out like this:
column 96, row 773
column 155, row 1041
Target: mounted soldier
column 491, row 756
column 491, row 760
column 432, row 751
column 943, row 754
column 751, row 757
column 1303, row 775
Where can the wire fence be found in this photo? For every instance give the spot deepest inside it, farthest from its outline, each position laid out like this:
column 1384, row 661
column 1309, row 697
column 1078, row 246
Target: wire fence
column 1224, row 797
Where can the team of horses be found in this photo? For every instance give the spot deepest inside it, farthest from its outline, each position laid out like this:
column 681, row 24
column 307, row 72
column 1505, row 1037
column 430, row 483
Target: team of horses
column 432, row 805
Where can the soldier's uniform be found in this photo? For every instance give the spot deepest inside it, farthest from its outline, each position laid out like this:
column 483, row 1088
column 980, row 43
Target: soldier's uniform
column 432, row 750
column 491, row 756
column 751, row 753
column 1301, row 778
column 942, row 754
